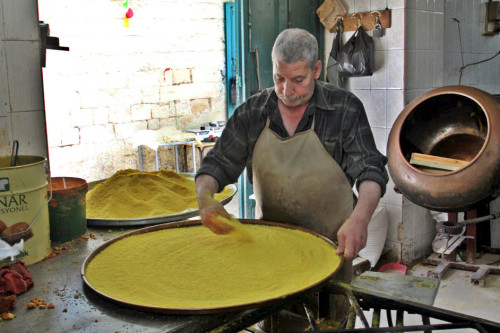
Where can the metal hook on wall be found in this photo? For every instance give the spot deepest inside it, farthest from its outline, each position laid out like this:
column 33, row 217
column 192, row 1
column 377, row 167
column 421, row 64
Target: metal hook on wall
column 339, row 24
column 377, row 17
column 360, row 16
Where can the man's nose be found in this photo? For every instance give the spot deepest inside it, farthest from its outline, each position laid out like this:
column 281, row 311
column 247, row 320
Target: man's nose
column 288, row 88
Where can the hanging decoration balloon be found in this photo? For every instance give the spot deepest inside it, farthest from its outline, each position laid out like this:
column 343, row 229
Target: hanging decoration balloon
column 128, row 15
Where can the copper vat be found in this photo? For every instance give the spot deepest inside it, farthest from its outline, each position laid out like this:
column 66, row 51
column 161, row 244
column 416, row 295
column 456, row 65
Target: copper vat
column 456, row 122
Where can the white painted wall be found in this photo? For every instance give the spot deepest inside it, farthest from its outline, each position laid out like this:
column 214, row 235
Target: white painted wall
column 472, row 44
column 163, row 70
column 424, row 70
column 382, row 95
column 437, row 46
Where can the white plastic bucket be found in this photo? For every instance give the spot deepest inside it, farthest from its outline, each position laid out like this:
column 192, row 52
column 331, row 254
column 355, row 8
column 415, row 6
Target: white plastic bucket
column 23, row 198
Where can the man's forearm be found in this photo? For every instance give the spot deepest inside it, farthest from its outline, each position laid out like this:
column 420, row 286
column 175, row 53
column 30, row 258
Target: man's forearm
column 353, row 234
column 206, row 187
column 368, row 198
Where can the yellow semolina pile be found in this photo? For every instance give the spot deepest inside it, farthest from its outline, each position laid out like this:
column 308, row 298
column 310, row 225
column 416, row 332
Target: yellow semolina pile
column 192, row 268
column 130, row 194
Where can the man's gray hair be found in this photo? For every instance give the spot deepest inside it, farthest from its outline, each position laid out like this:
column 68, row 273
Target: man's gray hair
column 293, row 45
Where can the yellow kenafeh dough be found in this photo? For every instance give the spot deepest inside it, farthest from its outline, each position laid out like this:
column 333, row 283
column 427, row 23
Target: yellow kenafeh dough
column 192, row 268
column 130, row 194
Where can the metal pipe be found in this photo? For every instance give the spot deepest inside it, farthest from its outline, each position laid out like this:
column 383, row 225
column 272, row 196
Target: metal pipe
column 310, row 316
column 351, row 319
column 481, row 219
column 357, row 308
column 376, row 318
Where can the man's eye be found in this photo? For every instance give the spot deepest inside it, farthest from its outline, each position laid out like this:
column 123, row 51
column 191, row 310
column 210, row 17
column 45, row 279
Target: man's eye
column 280, row 79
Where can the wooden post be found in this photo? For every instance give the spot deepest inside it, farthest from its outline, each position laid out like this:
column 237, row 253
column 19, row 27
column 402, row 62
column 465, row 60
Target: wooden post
column 452, row 217
column 470, row 230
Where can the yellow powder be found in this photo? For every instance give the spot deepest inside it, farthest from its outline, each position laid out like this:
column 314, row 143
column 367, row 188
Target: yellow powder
column 137, row 194
column 239, row 230
column 192, row 268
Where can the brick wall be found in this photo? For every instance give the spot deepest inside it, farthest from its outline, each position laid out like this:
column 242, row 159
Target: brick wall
column 163, row 70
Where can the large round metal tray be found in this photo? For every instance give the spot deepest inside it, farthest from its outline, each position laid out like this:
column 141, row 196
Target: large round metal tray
column 240, row 307
column 100, row 222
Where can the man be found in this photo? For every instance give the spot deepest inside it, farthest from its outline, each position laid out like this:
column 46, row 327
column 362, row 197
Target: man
column 305, row 143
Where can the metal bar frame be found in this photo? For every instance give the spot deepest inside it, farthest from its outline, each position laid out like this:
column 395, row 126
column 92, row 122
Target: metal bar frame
column 176, row 151
column 368, row 300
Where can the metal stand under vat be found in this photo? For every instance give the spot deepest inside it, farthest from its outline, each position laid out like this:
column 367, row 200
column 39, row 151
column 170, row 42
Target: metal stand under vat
column 446, row 256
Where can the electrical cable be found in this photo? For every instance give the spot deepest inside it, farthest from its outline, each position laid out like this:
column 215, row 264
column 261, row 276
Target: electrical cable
column 474, row 63
column 460, row 39
column 462, row 53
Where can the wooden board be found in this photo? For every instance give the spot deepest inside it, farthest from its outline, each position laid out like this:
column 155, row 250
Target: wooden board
column 437, row 162
column 400, row 287
column 367, row 20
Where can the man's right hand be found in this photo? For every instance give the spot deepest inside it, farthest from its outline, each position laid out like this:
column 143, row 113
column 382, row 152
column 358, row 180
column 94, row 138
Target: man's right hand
column 209, row 208
column 217, row 225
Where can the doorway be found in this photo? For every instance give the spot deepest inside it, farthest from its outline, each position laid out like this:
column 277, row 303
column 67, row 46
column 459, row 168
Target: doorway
column 258, row 24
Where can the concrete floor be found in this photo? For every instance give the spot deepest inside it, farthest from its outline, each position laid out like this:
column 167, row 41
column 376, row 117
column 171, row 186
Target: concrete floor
column 456, row 292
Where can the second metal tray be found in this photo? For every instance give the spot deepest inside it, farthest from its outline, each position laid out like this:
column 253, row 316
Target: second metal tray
column 101, row 222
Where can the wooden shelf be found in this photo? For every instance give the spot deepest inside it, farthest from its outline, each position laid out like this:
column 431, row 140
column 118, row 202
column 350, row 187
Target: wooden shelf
column 367, row 20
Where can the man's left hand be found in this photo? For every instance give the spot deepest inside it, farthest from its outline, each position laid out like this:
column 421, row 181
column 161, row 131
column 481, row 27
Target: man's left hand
column 352, row 238
column 354, row 232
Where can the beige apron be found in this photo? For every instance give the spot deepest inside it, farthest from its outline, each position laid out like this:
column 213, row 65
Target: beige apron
column 296, row 181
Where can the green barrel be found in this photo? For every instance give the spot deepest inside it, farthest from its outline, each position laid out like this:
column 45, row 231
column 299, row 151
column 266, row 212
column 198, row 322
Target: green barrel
column 67, row 208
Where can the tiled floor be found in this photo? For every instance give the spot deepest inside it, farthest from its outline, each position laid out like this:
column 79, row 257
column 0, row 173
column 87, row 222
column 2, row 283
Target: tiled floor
column 456, row 292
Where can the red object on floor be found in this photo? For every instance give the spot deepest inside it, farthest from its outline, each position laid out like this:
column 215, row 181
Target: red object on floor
column 11, row 282
column 20, row 268
column 6, row 302
column 15, row 279
column 393, row 268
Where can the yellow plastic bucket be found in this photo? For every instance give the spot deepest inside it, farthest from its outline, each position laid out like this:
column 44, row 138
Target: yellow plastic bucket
column 23, row 198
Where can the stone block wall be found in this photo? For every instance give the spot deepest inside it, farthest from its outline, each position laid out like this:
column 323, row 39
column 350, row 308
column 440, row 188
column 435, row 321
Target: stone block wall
column 163, row 70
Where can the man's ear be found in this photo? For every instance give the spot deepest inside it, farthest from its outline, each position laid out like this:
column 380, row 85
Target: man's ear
column 317, row 69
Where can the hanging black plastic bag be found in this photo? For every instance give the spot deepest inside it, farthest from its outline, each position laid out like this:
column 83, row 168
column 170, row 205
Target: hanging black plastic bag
column 337, row 44
column 332, row 69
column 358, row 55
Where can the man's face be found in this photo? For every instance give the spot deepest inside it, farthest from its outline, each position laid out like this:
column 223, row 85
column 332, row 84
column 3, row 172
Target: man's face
column 294, row 83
